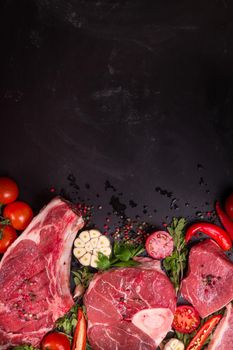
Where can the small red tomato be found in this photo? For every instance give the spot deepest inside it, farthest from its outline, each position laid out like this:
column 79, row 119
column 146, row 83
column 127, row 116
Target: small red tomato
column 8, row 190
column 19, row 213
column 55, row 341
column 7, row 236
column 229, row 206
column 186, row 319
column 159, row 245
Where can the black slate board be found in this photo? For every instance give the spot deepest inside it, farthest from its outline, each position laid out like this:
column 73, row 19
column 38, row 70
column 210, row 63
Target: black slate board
column 137, row 93
column 124, row 105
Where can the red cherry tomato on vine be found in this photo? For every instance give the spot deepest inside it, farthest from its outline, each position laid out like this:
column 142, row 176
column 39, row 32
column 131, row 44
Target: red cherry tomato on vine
column 7, row 237
column 229, row 206
column 19, row 213
column 8, row 190
column 55, row 341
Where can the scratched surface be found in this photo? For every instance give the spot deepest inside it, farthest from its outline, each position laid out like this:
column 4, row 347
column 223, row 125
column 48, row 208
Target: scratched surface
column 135, row 93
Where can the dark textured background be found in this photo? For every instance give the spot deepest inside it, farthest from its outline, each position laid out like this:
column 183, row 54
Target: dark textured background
column 137, row 93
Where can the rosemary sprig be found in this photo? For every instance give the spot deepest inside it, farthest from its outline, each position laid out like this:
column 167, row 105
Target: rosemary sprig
column 175, row 264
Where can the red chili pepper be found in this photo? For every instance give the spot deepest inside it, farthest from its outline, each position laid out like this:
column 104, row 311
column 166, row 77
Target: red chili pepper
column 225, row 220
column 198, row 341
column 215, row 232
column 80, row 334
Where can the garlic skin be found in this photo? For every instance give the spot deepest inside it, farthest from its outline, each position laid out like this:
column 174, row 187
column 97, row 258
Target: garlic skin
column 87, row 246
column 79, row 291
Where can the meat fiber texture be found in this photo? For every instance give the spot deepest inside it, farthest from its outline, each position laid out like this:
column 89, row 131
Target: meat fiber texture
column 209, row 282
column 223, row 335
column 35, row 273
column 130, row 308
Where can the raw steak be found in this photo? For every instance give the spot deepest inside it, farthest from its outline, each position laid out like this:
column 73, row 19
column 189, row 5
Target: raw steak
column 34, row 275
column 130, row 308
column 223, row 335
column 209, row 282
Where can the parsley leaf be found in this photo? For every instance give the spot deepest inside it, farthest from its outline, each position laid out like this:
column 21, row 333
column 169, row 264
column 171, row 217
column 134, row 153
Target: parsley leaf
column 123, row 254
column 175, row 264
column 103, row 262
column 126, row 251
column 122, row 251
column 128, row 263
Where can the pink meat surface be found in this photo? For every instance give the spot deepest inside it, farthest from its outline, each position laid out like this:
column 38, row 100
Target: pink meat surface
column 130, row 308
column 223, row 335
column 34, row 275
column 209, row 282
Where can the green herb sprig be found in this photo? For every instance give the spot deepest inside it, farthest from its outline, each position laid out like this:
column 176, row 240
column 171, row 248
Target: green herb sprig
column 83, row 276
column 24, row 347
column 88, row 346
column 68, row 322
column 175, row 264
column 123, row 254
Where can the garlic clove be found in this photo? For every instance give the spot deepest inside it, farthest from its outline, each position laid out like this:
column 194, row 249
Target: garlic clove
column 88, row 246
column 84, row 236
column 79, row 252
column 94, row 260
column 94, row 233
column 105, row 250
column 85, row 260
column 103, row 242
column 94, row 242
column 79, row 243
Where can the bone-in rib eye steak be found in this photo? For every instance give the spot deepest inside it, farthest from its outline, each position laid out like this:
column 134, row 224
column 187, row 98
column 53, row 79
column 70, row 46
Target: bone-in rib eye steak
column 35, row 273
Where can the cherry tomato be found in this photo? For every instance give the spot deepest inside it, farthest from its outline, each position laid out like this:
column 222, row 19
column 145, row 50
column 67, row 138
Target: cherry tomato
column 229, row 206
column 19, row 213
column 55, row 341
column 8, row 190
column 186, row 319
column 159, row 245
column 7, row 236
